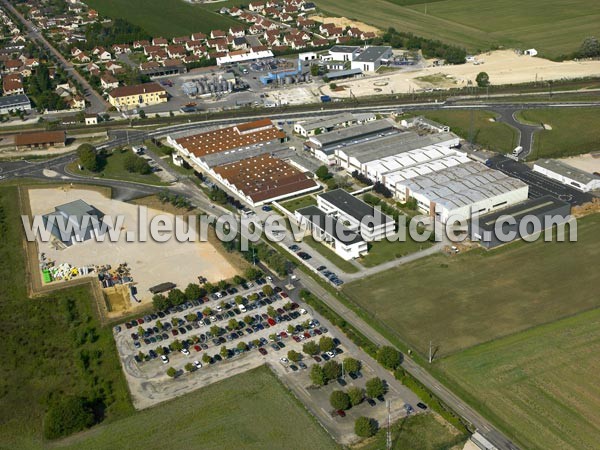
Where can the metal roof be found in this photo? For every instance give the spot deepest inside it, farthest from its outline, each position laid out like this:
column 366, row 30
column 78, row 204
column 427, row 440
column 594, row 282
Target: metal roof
column 330, row 225
column 354, row 207
column 372, row 54
column 565, row 170
column 343, row 73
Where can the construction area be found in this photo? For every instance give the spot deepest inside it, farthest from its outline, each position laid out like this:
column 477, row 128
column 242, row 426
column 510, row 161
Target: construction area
column 126, row 270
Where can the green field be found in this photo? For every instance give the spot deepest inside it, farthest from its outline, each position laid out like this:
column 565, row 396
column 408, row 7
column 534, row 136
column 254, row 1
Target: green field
column 300, row 202
column 476, row 125
column 464, row 300
column 541, row 384
column 249, row 411
column 554, row 27
column 115, row 170
column 166, row 18
column 384, row 250
column 420, row 432
column 574, row 131
column 51, row 346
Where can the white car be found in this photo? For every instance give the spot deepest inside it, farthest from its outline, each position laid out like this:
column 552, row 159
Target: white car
column 330, row 354
column 269, row 278
column 219, row 308
column 242, row 308
column 164, row 359
column 197, row 364
column 302, row 311
column 283, row 360
column 185, row 351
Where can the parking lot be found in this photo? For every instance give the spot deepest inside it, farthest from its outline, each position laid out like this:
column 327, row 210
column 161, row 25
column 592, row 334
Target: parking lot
column 268, row 338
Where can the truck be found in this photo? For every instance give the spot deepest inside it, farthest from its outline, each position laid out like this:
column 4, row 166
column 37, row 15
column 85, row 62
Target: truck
column 517, row 151
column 325, row 98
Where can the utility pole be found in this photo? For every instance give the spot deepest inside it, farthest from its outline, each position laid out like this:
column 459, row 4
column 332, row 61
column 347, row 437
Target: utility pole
column 430, row 353
column 388, row 443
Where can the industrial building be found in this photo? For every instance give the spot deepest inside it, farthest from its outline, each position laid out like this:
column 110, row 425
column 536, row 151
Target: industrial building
column 567, row 175
column 263, row 179
column 234, row 140
column 77, row 220
column 325, row 124
column 371, row 58
column 346, row 243
column 125, row 97
column 547, row 210
column 461, row 191
column 358, row 216
column 14, row 103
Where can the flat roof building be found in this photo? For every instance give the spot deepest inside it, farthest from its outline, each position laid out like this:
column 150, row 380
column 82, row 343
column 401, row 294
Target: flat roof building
column 73, row 222
column 567, row 175
column 370, row 59
column 263, row 179
column 328, row 123
column 352, row 134
column 14, row 103
column 490, row 232
column 359, row 216
column 345, row 242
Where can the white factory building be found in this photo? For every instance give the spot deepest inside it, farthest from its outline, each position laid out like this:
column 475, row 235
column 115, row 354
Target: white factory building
column 461, row 191
column 567, row 175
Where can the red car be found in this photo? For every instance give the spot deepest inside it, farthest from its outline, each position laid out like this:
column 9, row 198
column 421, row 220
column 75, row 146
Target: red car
column 283, row 295
column 296, row 338
column 283, row 334
column 341, row 413
column 174, row 332
column 197, row 348
column 271, row 322
column 140, row 321
column 262, row 351
column 307, row 335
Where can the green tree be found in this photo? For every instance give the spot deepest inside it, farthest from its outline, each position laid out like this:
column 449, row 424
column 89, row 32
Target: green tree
column 322, row 173
column 239, row 300
column 339, row 400
column 317, row 376
column 356, row 395
column 159, row 325
column 291, row 329
column 482, row 79
column 67, row 415
column 193, row 292
column 215, row 330
column 88, row 157
column 233, row 324
column 294, row 356
column 207, row 311
column 224, row 352
column 160, row 350
column 189, row 367
column 271, row 311
column 332, row 370
column 365, row 427
column 310, row 348
column 268, row 290
column 177, row 345
column 375, row 387
column 238, row 280
column 160, row 302
column 314, row 70
column 352, row 365
column 171, row 372
column 389, row 357
column 252, row 273
column 206, row 358
column 242, row 346
column 142, row 114
column 326, row 344
column 248, row 320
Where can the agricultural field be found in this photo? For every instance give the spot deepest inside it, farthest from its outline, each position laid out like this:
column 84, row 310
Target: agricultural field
column 540, row 385
column 553, row 27
column 166, row 18
column 463, row 300
column 52, row 346
column 251, row 411
column 478, row 126
column 574, row 131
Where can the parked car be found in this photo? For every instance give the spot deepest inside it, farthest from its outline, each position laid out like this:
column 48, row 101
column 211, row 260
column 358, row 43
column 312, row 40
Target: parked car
column 197, row 364
column 164, row 359
column 262, row 351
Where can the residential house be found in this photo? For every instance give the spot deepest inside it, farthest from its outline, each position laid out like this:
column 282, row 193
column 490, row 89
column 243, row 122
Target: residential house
column 12, row 84
column 236, row 32
column 256, row 6
column 216, row 34
column 198, row 37
column 176, row 51
column 108, row 81
column 160, row 41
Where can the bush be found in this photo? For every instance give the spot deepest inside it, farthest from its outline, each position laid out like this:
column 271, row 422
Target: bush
column 326, row 344
column 339, row 400
column 332, row 370
column 88, row 157
column 389, row 357
column 365, row 427
column 135, row 164
column 310, row 348
column 482, row 79
column 317, row 376
column 66, row 416
column 352, row 365
column 171, row 372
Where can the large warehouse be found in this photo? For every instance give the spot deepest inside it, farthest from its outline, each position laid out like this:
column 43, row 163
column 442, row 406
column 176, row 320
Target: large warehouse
column 462, row 190
column 568, row 175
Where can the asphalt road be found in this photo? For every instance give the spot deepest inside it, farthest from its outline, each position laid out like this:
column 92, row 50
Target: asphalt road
column 96, row 103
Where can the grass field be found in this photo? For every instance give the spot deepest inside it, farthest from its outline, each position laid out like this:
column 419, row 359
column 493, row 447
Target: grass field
column 421, row 432
column 574, row 131
column 383, row 251
column 541, row 384
column 51, row 345
column 461, row 301
column 496, row 136
column 166, row 18
column 115, row 170
column 248, row 411
column 300, row 202
column 553, row 27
